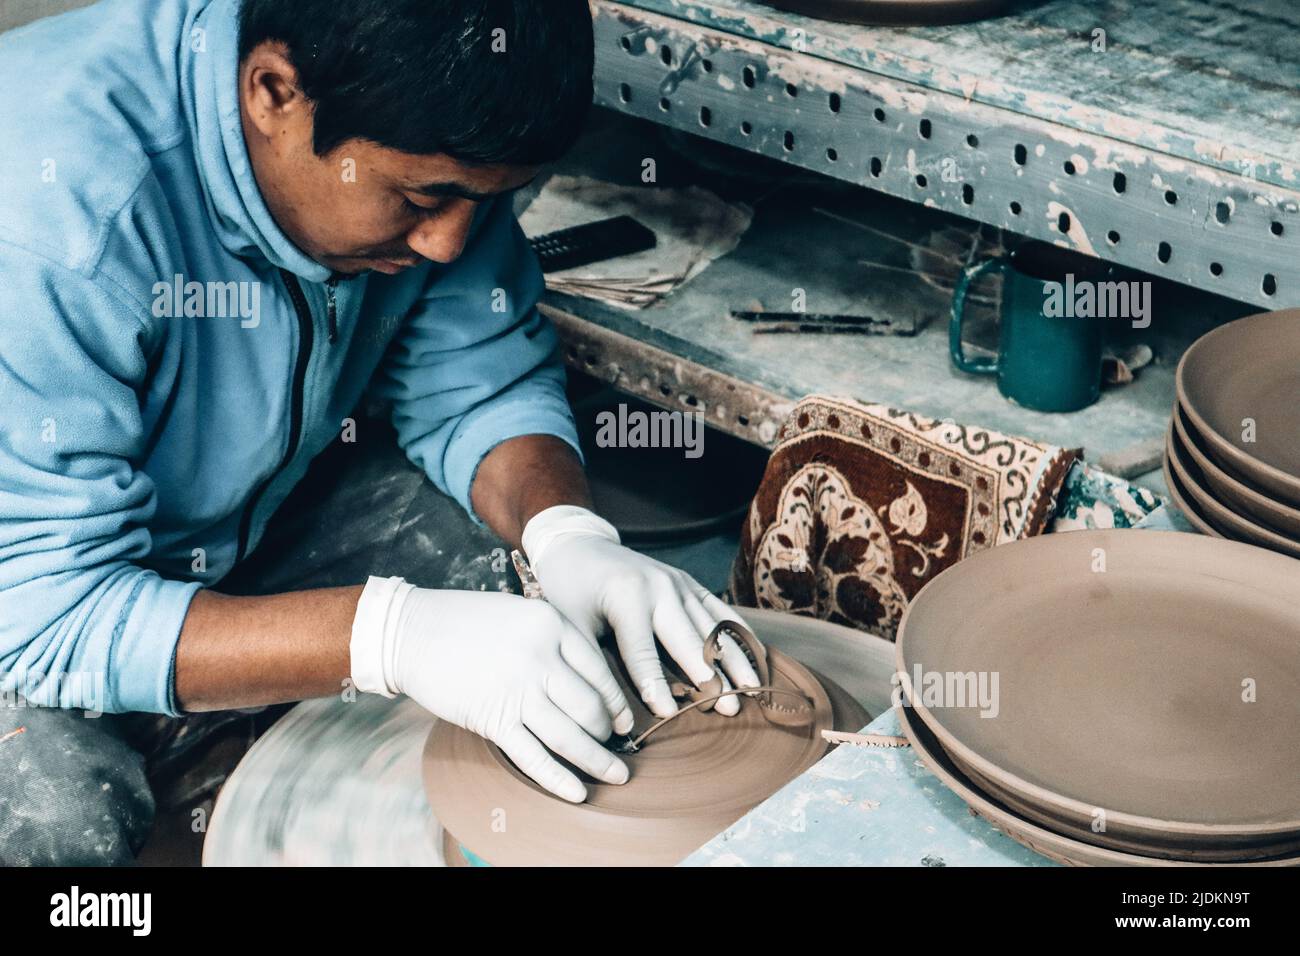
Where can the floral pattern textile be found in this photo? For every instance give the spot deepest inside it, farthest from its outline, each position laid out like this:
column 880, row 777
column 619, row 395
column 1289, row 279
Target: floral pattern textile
column 861, row 505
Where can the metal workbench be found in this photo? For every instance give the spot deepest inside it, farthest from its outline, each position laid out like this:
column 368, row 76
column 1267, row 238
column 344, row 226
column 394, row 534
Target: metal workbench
column 1172, row 152
column 1161, row 136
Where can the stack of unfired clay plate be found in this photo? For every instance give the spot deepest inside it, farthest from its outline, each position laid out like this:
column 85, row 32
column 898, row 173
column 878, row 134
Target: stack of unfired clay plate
column 1232, row 456
column 1115, row 697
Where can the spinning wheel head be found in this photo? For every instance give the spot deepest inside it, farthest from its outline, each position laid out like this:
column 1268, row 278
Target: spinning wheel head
column 700, row 773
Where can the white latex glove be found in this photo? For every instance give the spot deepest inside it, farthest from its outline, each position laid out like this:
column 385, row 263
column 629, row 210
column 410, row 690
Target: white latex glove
column 595, row 581
column 509, row 669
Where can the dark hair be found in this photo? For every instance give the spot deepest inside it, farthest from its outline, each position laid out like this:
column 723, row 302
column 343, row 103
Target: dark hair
column 423, row 77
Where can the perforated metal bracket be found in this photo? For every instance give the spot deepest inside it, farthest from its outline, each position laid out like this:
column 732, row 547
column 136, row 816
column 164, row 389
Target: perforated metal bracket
column 1230, row 234
column 670, row 380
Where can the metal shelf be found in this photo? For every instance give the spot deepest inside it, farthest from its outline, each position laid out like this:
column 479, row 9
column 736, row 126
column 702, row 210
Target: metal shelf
column 1192, row 222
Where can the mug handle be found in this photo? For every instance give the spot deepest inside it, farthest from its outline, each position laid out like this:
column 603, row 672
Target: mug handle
column 980, row 366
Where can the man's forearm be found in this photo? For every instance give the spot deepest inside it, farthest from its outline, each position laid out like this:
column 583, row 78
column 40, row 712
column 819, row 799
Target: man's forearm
column 250, row 651
column 523, row 476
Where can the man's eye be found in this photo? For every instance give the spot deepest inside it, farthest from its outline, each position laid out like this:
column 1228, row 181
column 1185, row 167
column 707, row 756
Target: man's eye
column 420, row 210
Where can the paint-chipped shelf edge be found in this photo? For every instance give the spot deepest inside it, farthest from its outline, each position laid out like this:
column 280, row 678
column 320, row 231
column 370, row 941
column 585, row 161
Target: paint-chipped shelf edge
column 1226, row 233
column 658, row 375
column 654, row 372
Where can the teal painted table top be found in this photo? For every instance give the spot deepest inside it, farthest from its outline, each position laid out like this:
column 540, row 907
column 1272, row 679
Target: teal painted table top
column 864, row 806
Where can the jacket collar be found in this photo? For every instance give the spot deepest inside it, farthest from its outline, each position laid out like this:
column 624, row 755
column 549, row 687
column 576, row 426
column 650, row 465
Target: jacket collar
column 210, row 101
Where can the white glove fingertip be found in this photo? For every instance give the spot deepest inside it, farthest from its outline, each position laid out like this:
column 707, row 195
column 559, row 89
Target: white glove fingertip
column 623, row 722
column 736, row 666
column 728, row 706
column 528, row 754
column 658, row 698
column 571, row 790
column 681, row 639
column 590, row 664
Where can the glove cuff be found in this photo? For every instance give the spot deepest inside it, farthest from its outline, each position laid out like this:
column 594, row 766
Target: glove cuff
column 373, row 647
column 562, row 521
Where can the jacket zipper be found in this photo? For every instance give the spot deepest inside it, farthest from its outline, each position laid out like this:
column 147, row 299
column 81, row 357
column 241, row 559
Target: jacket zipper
column 333, row 318
column 306, row 335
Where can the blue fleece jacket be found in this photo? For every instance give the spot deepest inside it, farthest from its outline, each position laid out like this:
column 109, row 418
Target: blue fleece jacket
column 142, row 417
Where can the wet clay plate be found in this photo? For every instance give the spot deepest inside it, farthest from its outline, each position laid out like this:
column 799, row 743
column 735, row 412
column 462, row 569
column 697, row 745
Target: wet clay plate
column 1054, row 846
column 1191, row 482
column 1237, row 495
column 1249, row 369
column 1123, row 662
column 689, row 781
column 1174, row 849
column 1183, row 501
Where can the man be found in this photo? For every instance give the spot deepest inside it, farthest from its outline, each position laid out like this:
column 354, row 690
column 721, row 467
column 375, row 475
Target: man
column 219, row 224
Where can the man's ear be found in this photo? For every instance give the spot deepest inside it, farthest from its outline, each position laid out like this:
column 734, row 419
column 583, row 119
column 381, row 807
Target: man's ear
column 268, row 85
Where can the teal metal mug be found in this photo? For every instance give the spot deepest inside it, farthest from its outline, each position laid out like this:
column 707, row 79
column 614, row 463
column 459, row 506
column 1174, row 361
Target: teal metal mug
column 1049, row 363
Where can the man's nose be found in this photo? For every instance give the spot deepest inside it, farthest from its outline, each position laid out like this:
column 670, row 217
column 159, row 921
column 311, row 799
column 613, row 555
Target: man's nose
column 443, row 238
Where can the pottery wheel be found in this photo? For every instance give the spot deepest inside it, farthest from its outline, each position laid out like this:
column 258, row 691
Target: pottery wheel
column 338, row 782
column 691, row 779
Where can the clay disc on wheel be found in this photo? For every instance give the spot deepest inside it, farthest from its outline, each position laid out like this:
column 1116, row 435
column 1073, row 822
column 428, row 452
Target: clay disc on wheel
column 689, row 781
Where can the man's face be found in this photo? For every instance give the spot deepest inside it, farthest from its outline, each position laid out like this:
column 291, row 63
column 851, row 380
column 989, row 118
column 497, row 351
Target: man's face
column 362, row 206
